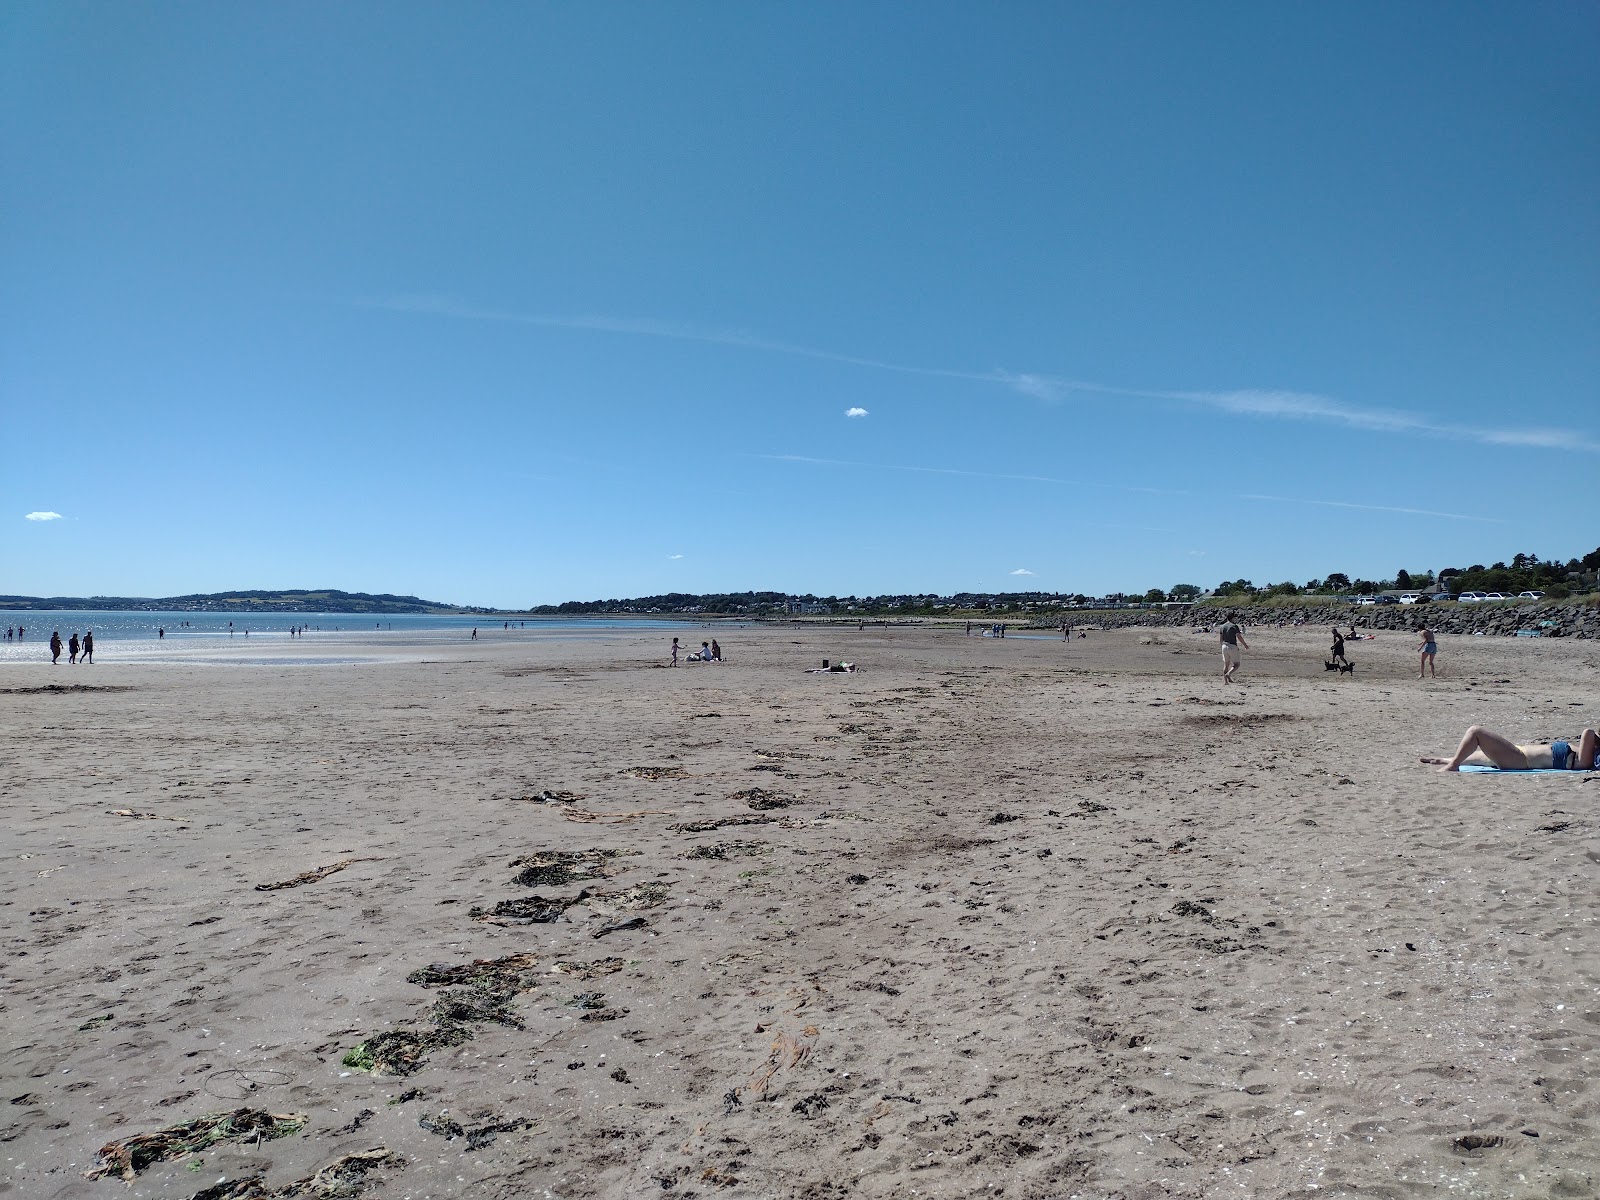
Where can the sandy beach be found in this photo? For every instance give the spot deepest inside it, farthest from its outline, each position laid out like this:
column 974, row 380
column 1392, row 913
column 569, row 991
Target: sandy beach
column 989, row 917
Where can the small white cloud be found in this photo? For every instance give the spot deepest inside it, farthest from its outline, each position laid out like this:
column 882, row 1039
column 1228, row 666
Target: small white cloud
column 1022, row 571
column 1197, row 554
column 674, row 556
column 855, row 412
column 44, row 516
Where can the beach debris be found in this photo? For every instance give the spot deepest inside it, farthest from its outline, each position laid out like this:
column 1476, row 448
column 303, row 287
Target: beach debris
column 1002, row 818
column 761, row 800
column 527, row 910
column 604, row 1014
column 783, row 754
column 587, row 1000
column 1087, row 808
column 655, row 773
column 707, row 826
column 360, row 1119
column 858, row 879
column 591, row 970
column 787, row 1052
column 141, row 816
column 341, row 1179
column 583, row 814
column 555, row 868
column 703, row 716
column 312, row 876
column 442, row 1125
column 725, row 850
column 650, row 894
column 514, row 972
column 460, row 1006
column 809, row 1106
column 126, row 1158
column 1480, row 1141
column 403, row 1051
column 618, row 927
column 549, row 797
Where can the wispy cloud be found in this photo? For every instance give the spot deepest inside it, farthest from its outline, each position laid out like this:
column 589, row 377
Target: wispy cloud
column 1022, row 571
column 43, row 516
column 1261, row 403
column 840, row 462
column 674, row 556
column 1389, row 508
column 855, row 412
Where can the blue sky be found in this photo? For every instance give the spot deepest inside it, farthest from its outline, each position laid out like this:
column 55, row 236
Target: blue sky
column 513, row 304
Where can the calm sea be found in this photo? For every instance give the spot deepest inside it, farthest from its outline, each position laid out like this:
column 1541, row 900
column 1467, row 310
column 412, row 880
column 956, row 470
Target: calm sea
column 265, row 637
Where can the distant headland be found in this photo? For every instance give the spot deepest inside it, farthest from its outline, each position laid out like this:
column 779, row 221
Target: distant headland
column 294, row 600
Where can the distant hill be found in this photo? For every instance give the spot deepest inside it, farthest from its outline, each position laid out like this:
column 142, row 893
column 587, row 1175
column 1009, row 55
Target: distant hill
column 294, row 600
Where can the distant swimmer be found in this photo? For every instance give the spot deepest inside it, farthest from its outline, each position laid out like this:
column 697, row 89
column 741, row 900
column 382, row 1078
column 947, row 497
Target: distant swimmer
column 88, row 648
column 161, row 633
column 1482, row 748
column 55, row 647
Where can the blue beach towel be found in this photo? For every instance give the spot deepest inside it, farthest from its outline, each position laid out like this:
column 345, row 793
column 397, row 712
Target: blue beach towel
column 1535, row 771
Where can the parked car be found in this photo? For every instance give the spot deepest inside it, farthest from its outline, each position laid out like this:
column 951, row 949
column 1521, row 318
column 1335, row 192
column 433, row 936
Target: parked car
column 1365, row 600
column 1530, row 595
column 1438, row 597
column 1472, row 597
column 1410, row 598
column 1386, row 600
column 1497, row 596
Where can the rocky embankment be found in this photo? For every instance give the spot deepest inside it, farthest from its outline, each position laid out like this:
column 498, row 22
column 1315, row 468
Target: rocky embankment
column 1579, row 619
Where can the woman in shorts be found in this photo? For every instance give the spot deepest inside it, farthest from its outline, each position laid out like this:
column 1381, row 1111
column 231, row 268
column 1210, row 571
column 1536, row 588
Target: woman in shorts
column 1481, row 747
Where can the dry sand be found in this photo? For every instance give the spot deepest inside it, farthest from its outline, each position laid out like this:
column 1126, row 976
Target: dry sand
column 1037, row 921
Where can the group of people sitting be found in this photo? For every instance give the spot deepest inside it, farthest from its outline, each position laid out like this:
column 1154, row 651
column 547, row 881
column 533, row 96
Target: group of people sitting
column 708, row 652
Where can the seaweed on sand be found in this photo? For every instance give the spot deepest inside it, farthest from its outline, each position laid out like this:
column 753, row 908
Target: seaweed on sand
column 528, row 910
column 555, row 868
column 513, row 972
column 714, row 823
column 655, row 773
column 650, row 894
column 726, row 850
column 403, row 1051
column 341, row 1179
column 125, row 1159
column 591, row 970
column 311, row 876
column 459, row 1006
column 760, row 799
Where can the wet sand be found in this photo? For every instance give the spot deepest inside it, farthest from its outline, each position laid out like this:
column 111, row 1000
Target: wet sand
column 1003, row 917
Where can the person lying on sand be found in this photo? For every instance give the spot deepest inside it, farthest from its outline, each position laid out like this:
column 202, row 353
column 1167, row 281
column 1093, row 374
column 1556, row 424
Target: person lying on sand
column 1481, row 747
column 843, row 668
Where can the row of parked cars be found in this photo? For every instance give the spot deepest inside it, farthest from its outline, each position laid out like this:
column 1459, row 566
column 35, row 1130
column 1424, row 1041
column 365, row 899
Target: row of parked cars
column 1438, row 597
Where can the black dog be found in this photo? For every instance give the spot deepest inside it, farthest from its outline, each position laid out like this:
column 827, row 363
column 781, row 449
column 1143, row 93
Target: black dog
column 1344, row 668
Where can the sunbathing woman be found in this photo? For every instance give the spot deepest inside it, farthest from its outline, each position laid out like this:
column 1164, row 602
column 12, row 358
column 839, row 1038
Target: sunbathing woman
column 1483, row 748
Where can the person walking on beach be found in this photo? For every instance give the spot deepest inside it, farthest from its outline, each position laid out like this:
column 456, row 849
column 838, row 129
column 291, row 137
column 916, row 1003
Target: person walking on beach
column 55, row 647
column 674, row 651
column 72, row 649
column 88, row 647
column 474, row 634
column 1338, row 647
column 1427, row 648
column 1232, row 638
